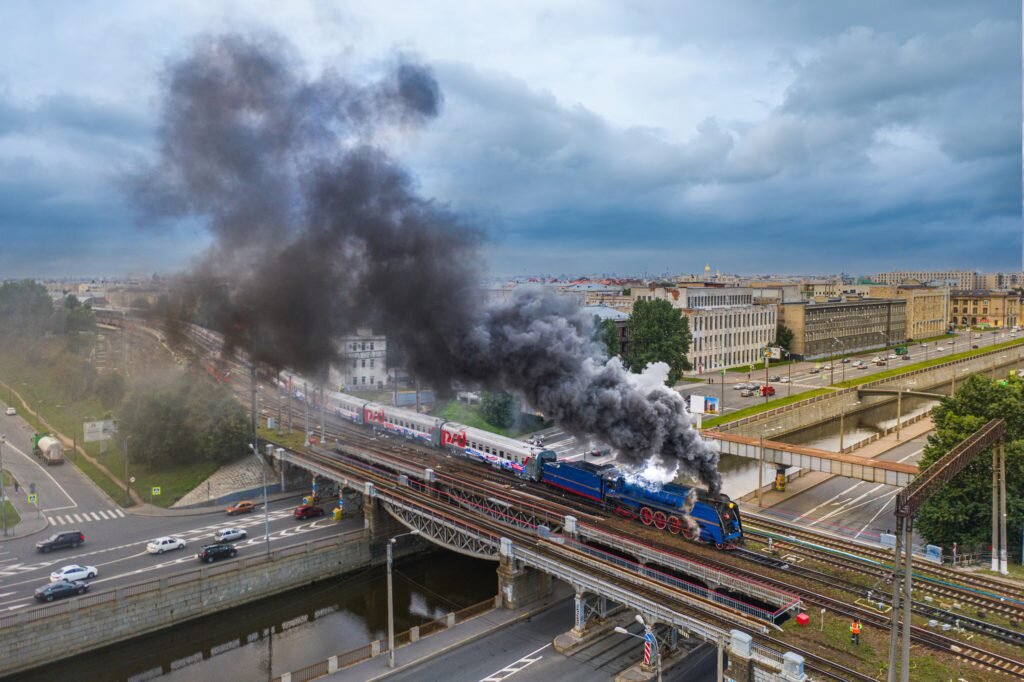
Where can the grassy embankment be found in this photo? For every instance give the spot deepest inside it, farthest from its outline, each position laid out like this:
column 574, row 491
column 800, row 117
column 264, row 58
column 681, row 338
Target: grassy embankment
column 32, row 375
column 763, row 407
column 470, row 416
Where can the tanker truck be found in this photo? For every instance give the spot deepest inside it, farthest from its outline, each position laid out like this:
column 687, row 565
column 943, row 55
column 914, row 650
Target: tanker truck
column 48, row 449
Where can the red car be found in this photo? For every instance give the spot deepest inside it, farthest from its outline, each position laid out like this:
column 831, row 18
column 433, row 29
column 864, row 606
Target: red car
column 767, row 390
column 241, row 508
column 306, row 511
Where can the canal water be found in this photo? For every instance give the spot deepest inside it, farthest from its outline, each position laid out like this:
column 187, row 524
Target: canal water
column 291, row 630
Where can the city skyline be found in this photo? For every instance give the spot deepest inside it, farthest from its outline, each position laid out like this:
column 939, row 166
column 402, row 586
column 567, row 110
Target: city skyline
column 578, row 138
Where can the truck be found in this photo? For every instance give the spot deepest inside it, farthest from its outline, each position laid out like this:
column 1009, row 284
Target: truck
column 678, row 509
column 47, row 448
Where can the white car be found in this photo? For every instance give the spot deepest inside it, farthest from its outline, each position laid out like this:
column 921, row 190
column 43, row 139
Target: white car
column 165, row 544
column 893, row 356
column 74, row 572
column 940, row 348
column 11, row 412
column 784, row 380
column 229, row 535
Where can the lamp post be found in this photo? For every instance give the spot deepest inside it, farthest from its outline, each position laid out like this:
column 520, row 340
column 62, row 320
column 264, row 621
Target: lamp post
column 842, row 346
column 842, row 424
column 127, row 483
column 648, row 637
column 391, row 605
column 3, row 491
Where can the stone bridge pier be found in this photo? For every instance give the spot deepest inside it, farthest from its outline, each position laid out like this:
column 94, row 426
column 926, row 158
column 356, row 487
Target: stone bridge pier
column 518, row 584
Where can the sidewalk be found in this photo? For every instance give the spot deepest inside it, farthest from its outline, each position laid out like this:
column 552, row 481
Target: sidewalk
column 152, row 510
column 447, row 640
column 32, row 521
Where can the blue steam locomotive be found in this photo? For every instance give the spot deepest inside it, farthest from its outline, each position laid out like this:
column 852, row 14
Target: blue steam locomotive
column 676, row 508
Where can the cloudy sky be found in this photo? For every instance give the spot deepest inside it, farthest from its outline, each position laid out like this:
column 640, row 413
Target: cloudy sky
column 581, row 136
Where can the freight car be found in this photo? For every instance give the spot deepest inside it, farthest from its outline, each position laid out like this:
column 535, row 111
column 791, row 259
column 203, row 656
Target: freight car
column 679, row 509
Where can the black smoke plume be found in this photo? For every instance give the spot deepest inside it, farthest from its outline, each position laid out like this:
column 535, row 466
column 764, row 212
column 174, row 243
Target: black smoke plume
column 317, row 231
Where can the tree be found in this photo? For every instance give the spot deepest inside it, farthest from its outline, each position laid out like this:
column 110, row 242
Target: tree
column 606, row 334
column 497, row 408
column 110, row 389
column 783, row 336
column 961, row 511
column 25, row 309
column 658, row 333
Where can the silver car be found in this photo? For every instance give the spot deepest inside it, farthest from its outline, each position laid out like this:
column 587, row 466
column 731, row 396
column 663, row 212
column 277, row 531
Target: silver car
column 229, row 535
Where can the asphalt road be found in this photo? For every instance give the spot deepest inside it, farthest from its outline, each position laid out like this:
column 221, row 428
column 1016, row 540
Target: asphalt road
column 801, row 377
column 524, row 652
column 118, row 548
column 856, row 509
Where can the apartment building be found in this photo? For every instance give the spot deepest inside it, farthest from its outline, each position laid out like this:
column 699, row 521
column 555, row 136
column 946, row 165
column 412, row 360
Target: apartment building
column 984, row 308
column 962, row 279
column 362, row 361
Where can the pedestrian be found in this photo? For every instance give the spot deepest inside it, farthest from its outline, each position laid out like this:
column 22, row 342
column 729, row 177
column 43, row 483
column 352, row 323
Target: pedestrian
column 855, row 631
column 15, row 485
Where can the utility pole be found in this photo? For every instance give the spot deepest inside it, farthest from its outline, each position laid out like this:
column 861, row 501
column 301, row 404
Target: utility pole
column 263, row 464
column 321, row 414
column 3, row 490
column 305, row 414
column 1003, row 568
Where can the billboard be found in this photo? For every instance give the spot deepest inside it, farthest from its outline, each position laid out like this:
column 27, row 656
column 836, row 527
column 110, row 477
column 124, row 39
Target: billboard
column 100, row 430
column 775, row 352
column 700, row 404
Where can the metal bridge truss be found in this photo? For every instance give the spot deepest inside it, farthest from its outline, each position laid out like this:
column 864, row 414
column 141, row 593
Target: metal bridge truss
column 442, row 530
column 712, row 577
column 502, row 511
column 593, row 606
column 623, row 594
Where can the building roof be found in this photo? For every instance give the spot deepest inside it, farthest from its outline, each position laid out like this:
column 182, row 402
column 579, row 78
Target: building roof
column 605, row 312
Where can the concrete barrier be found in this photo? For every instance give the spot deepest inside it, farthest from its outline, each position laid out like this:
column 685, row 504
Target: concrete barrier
column 37, row 636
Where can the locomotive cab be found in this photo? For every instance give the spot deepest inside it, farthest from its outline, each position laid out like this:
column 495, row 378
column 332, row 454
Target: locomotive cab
column 732, row 526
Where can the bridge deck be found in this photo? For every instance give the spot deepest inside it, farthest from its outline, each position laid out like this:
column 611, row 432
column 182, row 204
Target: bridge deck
column 813, row 459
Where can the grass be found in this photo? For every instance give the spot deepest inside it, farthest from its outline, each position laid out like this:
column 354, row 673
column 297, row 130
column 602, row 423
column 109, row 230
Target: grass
column 12, row 515
column 30, row 373
column 470, row 416
column 763, row 407
column 692, row 380
column 940, row 337
column 759, row 366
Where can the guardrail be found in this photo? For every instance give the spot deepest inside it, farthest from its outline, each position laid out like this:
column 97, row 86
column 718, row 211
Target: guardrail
column 116, row 594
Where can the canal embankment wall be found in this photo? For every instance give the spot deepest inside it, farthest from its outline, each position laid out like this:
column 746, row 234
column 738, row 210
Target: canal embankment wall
column 78, row 625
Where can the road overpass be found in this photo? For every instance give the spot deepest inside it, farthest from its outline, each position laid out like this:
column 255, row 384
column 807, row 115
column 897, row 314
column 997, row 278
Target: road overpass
column 813, row 459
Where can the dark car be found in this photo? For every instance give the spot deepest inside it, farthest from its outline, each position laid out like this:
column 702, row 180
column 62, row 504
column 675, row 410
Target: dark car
column 67, row 538
column 306, row 511
column 211, row 553
column 60, row 588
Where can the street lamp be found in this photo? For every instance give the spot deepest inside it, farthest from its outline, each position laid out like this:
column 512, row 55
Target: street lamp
column 127, row 489
column 647, row 637
column 842, row 424
column 842, row 347
column 266, row 507
column 391, row 605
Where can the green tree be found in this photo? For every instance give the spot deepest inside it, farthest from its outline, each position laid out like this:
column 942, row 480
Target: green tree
column 498, row 408
column 783, row 336
column 658, row 333
column 961, row 511
column 110, row 389
column 606, row 334
column 25, row 309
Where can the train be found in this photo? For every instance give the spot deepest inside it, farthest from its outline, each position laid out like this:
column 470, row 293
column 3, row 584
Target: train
column 678, row 509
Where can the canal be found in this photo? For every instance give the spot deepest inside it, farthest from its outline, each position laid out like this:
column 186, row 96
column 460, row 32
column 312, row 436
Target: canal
column 291, row 630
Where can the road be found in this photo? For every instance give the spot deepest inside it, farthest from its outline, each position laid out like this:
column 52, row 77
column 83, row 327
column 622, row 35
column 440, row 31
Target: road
column 523, row 652
column 856, row 509
column 802, row 376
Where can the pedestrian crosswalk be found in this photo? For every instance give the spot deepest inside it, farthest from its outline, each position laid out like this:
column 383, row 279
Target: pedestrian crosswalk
column 85, row 517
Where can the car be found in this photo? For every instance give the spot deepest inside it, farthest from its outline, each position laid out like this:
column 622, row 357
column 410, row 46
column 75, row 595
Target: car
column 67, row 538
column 814, row 370
column 893, row 356
column 61, row 588
column 73, row 573
column 11, row 412
column 210, row 553
column 974, row 345
column 746, row 393
column 775, row 377
column 784, row 380
column 241, row 508
column 845, row 360
column 230, row 535
column 306, row 511
column 827, row 368
column 766, row 390
column 881, row 363
column 905, row 357
column 862, row 366
column 165, row 544
column 977, row 336
column 939, row 349
column 739, row 387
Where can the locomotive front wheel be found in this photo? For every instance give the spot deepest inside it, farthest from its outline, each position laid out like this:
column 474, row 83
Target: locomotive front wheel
column 719, row 545
column 646, row 516
column 688, row 533
column 660, row 520
column 675, row 524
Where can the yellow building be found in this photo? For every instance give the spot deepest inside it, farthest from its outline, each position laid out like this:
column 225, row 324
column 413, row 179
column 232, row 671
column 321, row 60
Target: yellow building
column 984, row 308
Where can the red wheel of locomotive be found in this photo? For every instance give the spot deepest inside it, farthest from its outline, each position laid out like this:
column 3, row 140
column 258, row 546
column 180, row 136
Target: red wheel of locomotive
column 689, row 533
column 675, row 524
column 646, row 516
column 660, row 520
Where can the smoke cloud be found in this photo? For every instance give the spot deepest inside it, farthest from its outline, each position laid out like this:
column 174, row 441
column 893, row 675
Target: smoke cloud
column 318, row 230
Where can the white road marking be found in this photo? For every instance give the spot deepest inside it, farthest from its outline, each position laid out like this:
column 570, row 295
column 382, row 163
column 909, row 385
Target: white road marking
column 77, row 518
column 48, row 475
column 834, row 497
column 119, row 513
column 843, row 507
column 516, row 666
column 885, row 505
column 912, row 454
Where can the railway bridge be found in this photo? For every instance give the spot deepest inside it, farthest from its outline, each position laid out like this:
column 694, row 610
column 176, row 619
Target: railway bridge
column 532, row 544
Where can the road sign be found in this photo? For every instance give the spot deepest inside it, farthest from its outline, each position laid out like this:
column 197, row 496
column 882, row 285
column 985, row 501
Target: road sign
column 33, row 498
column 156, row 490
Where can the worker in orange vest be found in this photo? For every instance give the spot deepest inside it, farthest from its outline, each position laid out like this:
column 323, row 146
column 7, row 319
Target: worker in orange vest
column 855, row 632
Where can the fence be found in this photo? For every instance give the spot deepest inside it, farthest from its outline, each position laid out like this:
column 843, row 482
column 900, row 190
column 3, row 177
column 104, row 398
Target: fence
column 378, row 647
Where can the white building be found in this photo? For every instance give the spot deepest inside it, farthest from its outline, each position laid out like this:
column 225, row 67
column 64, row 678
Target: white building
column 363, row 361
column 728, row 328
